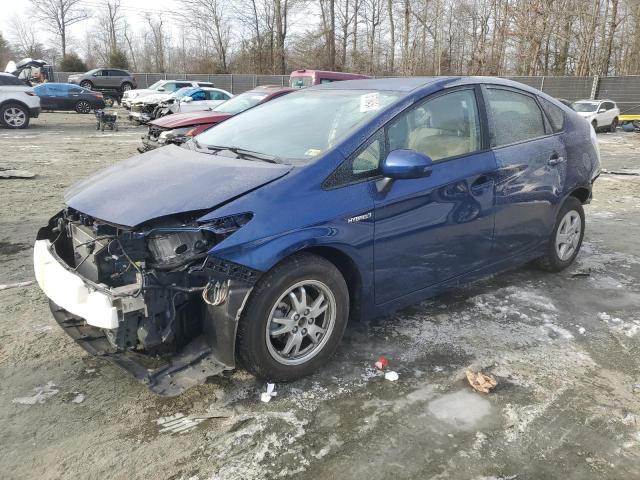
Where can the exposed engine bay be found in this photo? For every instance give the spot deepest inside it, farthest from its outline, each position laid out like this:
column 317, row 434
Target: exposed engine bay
column 176, row 306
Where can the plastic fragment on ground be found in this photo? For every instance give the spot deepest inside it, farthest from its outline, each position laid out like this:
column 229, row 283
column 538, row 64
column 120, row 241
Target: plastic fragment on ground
column 381, row 363
column 266, row 396
column 391, row 376
column 9, row 174
column 481, row 382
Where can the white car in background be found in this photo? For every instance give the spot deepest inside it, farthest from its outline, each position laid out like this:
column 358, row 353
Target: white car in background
column 161, row 86
column 187, row 99
column 18, row 102
column 601, row 114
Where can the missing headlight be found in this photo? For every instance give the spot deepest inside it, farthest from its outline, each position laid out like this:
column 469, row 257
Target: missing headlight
column 175, row 248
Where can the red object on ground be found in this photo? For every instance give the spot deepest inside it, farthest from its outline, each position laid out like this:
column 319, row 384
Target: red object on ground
column 382, row 363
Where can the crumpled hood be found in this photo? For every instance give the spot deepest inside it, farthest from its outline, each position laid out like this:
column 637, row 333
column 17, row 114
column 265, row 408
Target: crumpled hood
column 167, row 181
column 155, row 98
column 188, row 119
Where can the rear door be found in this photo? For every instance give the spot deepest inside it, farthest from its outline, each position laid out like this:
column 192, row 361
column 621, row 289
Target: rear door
column 58, row 93
column 46, row 100
column 531, row 161
column 75, row 94
column 431, row 229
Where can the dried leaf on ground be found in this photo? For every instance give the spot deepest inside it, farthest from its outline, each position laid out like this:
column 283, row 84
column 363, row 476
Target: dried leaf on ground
column 481, row 382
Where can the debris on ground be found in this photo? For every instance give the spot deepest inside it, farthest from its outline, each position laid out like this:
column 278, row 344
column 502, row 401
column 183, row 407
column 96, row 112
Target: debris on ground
column 43, row 392
column 632, row 172
column 481, row 382
column 582, row 273
column 6, row 173
column 391, row 376
column 636, row 388
column 179, row 423
column 79, row 398
column 7, row 286
column 381, row 363
column 582, row 330
column 266, row 396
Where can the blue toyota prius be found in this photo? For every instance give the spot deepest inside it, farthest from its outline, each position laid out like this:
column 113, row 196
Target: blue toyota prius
column 258, row 241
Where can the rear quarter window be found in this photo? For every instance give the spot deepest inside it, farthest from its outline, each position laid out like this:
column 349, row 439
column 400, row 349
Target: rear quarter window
column 11, row 80
column 554, row 114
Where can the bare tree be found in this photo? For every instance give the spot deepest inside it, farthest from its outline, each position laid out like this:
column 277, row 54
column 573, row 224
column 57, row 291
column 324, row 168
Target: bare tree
column 58, row 15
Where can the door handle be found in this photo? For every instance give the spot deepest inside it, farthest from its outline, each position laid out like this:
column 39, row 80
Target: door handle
column 481, row 184
column 555, row 159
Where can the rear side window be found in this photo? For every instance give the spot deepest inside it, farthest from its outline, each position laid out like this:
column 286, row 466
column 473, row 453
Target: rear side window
column 11, row 80
column 516, row 117
column 554, row 114
column 76, row 90
column 443, row 127
column 213, row 95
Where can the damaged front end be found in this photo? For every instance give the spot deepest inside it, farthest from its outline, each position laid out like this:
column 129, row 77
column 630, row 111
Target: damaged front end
column 150, row 299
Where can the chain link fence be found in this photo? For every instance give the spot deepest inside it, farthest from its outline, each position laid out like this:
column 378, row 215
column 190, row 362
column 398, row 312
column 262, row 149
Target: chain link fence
column 625, row 91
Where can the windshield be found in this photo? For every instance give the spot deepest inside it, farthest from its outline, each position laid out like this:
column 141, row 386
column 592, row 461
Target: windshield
column 91, row 72
column 300, row 82
column 184, row 92
column 585, row 106
column 155, row 85
column 298, row 126
column 241, row 102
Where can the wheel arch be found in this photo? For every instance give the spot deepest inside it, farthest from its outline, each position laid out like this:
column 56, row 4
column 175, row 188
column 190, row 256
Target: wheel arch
column 583, row 194
column 19, row 102
column 347, row 268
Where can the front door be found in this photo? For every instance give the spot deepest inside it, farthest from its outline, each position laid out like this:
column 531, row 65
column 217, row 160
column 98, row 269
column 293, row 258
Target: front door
column 431, row 229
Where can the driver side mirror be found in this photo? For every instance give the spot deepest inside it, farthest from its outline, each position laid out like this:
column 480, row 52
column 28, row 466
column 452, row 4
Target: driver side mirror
column 187, row 99
column 161, row 89
column 403, row 164
column 406, row 164
column 602, row 110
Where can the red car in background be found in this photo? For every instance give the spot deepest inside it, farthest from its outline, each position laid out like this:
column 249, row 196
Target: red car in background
column 180, row 127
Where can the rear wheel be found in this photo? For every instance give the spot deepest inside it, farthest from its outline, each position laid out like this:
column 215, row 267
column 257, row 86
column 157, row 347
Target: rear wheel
column 83, row 107
column 294, row 319
column 566, row 239
column 126, row 86
column 86, row 84
column 14, row 115
column 614, row 125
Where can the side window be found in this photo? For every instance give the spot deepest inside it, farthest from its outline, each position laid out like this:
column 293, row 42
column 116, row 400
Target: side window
column 170, row 87
column 554, row 114
column 516, row 117
column 442, row 127
column 364, row 164
column 326, row 80
column 11, row 80
column 102, row 73
column 608, row 105
column 183, row 84
column 75, row 90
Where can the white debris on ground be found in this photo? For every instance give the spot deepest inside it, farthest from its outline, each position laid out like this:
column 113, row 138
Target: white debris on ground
column 79, row 398
column 42, row 393
column 266, row 396
column 391, row 376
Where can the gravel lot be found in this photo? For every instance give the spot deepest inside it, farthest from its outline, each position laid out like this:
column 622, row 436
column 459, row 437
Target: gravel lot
column 564, row 349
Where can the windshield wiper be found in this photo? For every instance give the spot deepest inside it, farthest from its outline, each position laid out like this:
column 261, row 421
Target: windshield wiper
column 242, row 153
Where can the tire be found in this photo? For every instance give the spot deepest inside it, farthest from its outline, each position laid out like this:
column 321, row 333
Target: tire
column 86, row 84
column 555, row 260
column 264, row 354
column 614, row 125
column 594, row 124
column 126, row 86
column 83, row 107
column 14, row 115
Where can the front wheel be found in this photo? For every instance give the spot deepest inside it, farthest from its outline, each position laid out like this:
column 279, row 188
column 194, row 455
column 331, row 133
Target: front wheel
column 86, row 84
column 294, row 319
column 126, row 86
column 566, row 239
column 14, row 115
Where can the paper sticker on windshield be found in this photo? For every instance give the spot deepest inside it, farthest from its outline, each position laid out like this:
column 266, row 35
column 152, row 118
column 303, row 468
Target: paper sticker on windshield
column 369, row 102
column 312, row 152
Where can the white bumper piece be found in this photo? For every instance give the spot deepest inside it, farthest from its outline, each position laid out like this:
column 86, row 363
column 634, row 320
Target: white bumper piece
column 70, row 292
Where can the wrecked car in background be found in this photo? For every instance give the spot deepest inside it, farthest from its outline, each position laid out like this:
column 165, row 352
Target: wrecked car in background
column 256, row 244
column 177, row 129
column 150, row 107
column 161, row 86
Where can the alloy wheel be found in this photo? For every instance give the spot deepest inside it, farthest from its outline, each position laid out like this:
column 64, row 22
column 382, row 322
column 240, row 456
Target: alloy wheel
column 83, row 107
column 14, row 117
column 301, row 322
column 568, row 235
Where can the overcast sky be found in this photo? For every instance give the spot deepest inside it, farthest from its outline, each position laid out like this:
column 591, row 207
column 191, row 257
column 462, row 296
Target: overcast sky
column 135, row 11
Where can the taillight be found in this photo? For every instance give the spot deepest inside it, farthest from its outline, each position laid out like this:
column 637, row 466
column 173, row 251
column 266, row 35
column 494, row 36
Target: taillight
column 98, row 95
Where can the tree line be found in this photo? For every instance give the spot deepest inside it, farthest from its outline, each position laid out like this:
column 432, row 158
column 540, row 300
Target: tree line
column 378, row 37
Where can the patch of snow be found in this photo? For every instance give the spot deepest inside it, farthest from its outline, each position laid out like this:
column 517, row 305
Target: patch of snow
column 43, row 393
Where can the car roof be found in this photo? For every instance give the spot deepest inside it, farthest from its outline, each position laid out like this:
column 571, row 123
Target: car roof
column 397, row 84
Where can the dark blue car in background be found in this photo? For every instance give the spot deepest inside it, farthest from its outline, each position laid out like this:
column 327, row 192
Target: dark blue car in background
column 260, row 241
column 66, row 96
